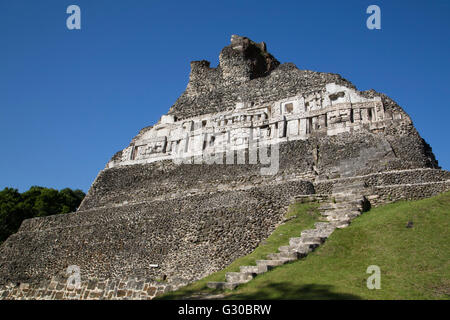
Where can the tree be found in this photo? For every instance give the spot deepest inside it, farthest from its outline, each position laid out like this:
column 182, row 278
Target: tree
column 36, row 202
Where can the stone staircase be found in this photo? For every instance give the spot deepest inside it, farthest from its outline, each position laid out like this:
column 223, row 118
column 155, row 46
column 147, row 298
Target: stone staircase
column 337, row 210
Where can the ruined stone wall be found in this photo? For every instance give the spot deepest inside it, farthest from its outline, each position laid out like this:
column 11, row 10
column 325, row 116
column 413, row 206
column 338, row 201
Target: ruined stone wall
column 165, row 179
column 319, row 157
column 387, row 178
column 59, row 288
column 391, row 193
column 390, row 186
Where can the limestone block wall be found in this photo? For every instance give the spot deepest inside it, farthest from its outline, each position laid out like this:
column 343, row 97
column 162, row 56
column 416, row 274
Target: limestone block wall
column 390, row 186
column 58, row 288
column 187, row 238
column 321, row 157
column 148, row 217
column 165, row 179
column 396, row 177
column 391, row 193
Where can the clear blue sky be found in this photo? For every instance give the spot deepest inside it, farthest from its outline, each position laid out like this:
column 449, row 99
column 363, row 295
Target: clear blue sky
column 70, row 99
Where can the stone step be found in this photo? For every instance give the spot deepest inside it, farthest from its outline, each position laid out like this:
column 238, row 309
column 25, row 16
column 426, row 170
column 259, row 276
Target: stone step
column 347, row 196
column 341, row 205
column 317, row 233
column 322, row 234
column 254, row 269
column 348, row 190
column 353, row 214
column 341, row 224
column 271, row 263
column 302, row 249
column 302, row 241
column 309, row 231
column 339, row 212
column 239, row 277
column 340, row 218
column 319, row 227
column 353, row 200
column 313, row 239
column 285, row 249
column 275, row 257
column 324, row 210
column 290, row 255
column 324, row 226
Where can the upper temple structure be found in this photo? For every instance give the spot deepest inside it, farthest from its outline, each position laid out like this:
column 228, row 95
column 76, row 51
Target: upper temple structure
column 152, row 223
column 250, row 97
column 335, row 109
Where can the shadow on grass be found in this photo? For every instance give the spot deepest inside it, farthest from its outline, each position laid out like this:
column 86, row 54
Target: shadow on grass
column 286, row 290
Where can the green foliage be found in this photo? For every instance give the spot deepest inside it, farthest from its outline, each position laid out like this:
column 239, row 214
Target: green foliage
column 36, row 202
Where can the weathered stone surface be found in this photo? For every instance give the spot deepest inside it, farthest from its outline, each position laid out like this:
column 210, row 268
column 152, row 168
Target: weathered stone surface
column 187, row 237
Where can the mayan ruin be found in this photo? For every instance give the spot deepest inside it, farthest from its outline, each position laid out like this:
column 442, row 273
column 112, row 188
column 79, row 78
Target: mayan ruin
column 213, row 178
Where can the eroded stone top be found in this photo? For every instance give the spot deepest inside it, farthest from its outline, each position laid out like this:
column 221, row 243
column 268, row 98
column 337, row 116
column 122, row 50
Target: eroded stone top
column 246, row 73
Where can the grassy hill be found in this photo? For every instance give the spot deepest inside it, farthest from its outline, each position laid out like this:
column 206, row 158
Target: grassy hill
column 414, row 262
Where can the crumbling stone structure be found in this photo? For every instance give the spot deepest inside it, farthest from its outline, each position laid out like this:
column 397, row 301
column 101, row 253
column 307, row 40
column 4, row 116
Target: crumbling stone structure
column 161, row 214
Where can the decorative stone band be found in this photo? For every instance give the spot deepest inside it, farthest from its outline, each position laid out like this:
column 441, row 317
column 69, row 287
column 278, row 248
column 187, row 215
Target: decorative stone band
column 337, row 110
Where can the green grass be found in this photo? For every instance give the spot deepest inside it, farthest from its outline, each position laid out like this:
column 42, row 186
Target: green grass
column 414, row 262
column 300, row 217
